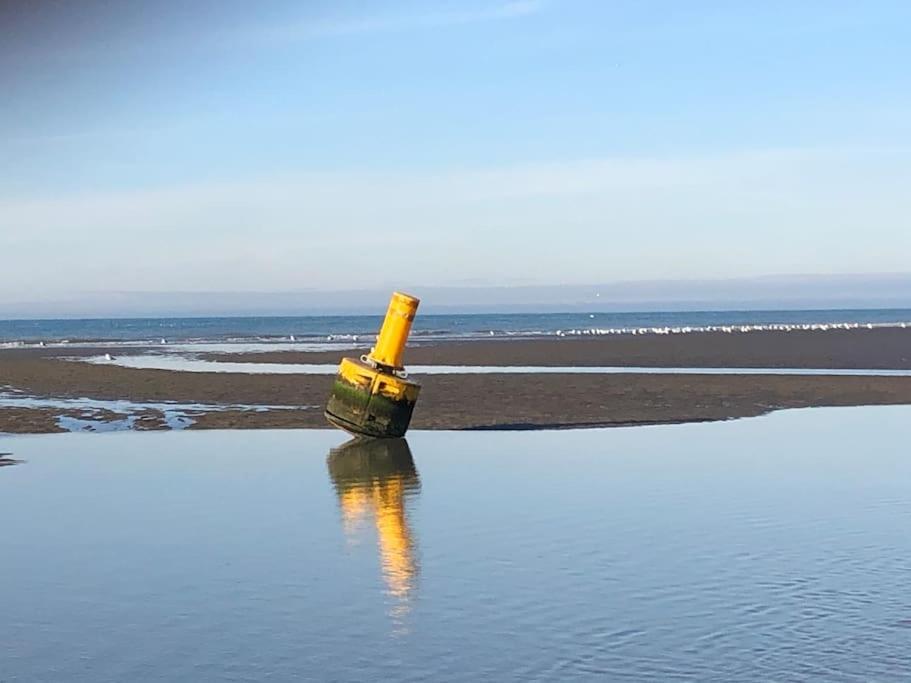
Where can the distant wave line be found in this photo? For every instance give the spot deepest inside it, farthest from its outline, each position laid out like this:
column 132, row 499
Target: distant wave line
column 350, row 340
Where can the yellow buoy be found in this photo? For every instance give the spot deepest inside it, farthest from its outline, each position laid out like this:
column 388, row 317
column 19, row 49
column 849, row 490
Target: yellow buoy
column 372, row 396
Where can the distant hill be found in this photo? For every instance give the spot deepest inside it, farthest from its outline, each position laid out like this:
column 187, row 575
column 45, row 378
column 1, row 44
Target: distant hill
column 772, row 292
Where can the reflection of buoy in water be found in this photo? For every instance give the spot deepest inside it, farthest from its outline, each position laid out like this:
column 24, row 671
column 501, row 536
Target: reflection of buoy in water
column 375, row 478
column 371, row 396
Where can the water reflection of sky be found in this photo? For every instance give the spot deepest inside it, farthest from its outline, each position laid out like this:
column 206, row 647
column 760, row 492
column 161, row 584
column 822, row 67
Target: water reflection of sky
column 733, row 551
column 189, row 363
column 100, row 415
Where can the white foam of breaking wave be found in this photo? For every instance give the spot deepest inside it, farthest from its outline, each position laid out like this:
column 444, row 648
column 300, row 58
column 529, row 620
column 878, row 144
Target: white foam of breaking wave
column 265, row 347
column 183, row 364
column 333, row 342
column 337, row 343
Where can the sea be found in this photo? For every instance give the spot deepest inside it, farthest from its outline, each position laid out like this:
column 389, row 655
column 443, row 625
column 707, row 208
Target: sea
column 335, row 328
column 769, row 549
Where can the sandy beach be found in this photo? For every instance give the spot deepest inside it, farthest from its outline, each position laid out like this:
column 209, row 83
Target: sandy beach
column 877, row 348
column 498, row 401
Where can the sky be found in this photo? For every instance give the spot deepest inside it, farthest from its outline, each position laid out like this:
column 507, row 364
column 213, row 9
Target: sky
column 279, row 146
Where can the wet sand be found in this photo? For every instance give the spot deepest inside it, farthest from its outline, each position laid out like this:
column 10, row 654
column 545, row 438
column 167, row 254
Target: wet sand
column 879, row 348
column 508, row 401
column 7, row 461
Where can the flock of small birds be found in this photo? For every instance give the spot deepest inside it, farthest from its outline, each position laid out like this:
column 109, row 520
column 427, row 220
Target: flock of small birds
column 597, row 331
column 729, row 329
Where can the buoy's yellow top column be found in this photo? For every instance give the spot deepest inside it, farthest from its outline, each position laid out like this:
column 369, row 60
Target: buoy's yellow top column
column 390, row 343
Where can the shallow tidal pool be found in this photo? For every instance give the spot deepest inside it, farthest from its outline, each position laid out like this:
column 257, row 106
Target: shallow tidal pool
column 775, row 548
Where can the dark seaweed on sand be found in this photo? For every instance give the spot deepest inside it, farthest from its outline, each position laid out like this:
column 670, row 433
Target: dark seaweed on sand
column 6, row 460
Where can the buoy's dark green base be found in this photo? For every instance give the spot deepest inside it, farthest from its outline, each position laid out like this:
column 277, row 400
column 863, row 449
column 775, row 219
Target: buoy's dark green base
column 359, row 411
column 361, row 462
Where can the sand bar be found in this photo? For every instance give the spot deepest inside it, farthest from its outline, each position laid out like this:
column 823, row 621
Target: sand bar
column 508, row 401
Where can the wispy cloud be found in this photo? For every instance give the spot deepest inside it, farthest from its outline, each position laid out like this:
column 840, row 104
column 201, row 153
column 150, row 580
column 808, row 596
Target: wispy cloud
column 742, row 213
column 349, row 26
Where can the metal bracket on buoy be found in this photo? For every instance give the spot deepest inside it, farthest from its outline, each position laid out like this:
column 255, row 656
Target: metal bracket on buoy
column 372, row 396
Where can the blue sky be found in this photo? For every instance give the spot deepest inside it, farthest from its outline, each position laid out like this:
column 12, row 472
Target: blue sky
column 288, row 145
